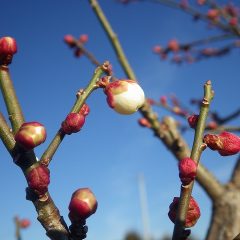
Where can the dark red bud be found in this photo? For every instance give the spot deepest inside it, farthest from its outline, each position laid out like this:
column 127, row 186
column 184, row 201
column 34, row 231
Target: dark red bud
column 192, row 120
column 73, row 123
column 193, row 213
column 187, row 170
column 38, row 179
column 82, row 205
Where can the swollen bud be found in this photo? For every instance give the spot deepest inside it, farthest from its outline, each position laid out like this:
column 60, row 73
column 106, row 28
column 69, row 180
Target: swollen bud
column 82, row 205
column 85, row 110
column 30, row 135
column 225, row 143
column 192, row 120
column 8, row 47
column 187, row 170
column 73, row 123
column 193, row 213
column 124, row 96
column 38, row 179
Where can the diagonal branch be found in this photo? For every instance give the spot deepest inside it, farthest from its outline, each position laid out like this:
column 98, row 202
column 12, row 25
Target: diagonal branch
column 235, row 178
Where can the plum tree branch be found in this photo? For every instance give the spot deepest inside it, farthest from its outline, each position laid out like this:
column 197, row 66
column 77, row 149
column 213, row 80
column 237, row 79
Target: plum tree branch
column 206, row 179
column 10, row 98
column 196, row 152
column 81, row 98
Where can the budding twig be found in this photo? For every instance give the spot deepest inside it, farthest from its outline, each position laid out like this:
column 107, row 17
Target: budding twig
column 195, row 155
column 82, row 96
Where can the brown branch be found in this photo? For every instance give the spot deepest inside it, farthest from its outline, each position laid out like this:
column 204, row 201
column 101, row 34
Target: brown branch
column 235, row 178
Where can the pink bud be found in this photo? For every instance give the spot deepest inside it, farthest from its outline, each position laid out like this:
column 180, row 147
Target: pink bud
column 38, row 179
column 144, row 122
column 187, row 170
column 84, row 110
column 212, row 125
column 213, row 14
column 192, row 120
column 73, row 123
column 163, row 100
column 69, row 39
column 24, row 223
column 83, row 38
column 82, row 205
column 124, row 96
column 150, row 101
column 173, row 45
column 225, row 143
column 193, row 213
column 157, row 49
column 30, row 135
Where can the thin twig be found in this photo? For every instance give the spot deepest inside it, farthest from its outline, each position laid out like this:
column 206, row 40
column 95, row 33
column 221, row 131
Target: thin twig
column 81, row 98
column 196, row 152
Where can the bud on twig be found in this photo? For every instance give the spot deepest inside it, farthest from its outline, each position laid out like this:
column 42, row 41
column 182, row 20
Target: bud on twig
column 225, row 143
column 192, row 120
column 124, row 96
column 187, row 170
column 73, row 123
column 30, row 135
column 8, row 47
column 82, row 205
column 193, row 213
column 38, row 179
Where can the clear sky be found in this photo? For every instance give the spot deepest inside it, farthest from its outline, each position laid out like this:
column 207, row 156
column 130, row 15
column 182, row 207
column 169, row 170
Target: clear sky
column 111, row 150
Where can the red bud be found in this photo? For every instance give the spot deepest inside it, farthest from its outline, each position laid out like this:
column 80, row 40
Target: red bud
column 69, row 39
column 193, row 213
column 192, row 120
column 30, row 135
column 225, row 143
column 8, row 47
column 82, row 205
column 38, row 179
column 187, row 170
column 83, row 38
column 144, row 122
column 73, row 123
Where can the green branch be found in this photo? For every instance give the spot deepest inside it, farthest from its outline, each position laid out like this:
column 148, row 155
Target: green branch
column 198, row 147
column 81, row 98
column 10, row 98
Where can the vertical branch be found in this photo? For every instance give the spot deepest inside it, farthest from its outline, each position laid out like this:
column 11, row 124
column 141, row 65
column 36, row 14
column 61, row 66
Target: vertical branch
column 10, row 98
column 197, row 149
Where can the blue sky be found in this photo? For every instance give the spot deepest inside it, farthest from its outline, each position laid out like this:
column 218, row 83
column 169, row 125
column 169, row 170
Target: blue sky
column 111, row 150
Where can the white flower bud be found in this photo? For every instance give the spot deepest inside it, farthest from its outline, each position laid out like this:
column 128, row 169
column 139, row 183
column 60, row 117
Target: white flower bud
column 125, row 96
